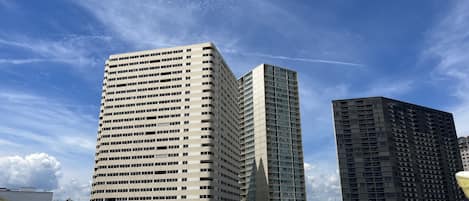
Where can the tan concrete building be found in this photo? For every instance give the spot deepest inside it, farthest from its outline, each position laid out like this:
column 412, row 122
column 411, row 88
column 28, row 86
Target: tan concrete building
column 168, row 127
column 271, row 145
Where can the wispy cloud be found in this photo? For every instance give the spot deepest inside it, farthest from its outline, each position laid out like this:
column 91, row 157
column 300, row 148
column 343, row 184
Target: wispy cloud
column 448, row 44
column 64, row 129
column 76, row 50
column 149, row 24
column 132, row 24
column 32, row 60
column 8, row 143
column 48, row 123
column 7, row 4
column 387, row 88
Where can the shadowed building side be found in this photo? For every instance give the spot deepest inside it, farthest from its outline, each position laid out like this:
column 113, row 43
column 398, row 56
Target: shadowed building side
column 262, row 186
column 390, row 150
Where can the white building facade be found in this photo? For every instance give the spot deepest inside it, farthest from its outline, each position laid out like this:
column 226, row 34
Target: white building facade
column 271, row 143
column 168, row 127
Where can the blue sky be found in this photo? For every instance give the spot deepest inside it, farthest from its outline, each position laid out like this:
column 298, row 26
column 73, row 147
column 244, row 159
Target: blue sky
column 52, row 55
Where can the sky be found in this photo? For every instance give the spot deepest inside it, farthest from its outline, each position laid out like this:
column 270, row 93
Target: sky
column 52, row 55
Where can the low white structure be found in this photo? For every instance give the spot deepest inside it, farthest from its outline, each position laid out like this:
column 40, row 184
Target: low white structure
column 24, row 195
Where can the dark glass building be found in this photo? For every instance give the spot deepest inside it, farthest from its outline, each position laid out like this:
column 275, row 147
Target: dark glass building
column 390, row 150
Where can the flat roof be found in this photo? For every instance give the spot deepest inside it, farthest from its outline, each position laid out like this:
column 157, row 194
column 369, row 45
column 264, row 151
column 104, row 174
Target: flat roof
column 382, row 97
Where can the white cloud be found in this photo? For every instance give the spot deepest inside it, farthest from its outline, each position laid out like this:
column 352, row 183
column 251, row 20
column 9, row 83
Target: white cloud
column 8, row 143
column 73, row 189
column 388, row 88
column 149, row 24
column 42, row 172
column 41, row 123
column 37, row 170
column 32, row 123
column 75, row 50
column 26, row 61
column 322, row 184
column 317, row 97
column 448, row 45
column 156, row 24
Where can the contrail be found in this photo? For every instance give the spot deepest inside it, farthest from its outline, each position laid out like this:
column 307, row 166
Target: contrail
column 301, row 59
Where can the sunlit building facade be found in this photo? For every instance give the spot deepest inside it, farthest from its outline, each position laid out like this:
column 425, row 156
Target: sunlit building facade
column 168, row 127
column 271, row 145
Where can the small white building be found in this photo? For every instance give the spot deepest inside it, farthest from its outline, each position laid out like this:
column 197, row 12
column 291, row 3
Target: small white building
column 24, row 195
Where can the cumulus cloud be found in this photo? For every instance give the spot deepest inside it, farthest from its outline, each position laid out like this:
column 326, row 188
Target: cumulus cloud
column 321, row 185
column 42, row 172
column 38, row 170
column 64, row 130
column 74, row 190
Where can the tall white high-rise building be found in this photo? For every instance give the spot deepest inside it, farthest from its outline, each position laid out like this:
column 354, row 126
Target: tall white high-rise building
column 168, row 127
column 271, row 145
